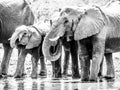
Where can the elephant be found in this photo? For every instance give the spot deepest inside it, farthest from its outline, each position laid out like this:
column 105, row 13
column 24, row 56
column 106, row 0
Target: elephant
column 96, row 30
column 67, row 51
column 29, row 39
column 12, row 14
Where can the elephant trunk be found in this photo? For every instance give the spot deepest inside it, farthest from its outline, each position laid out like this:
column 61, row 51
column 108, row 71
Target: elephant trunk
column 13, row 40
column 49, row 46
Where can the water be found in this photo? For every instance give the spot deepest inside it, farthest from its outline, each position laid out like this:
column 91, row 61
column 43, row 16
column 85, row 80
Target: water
column 50, row 84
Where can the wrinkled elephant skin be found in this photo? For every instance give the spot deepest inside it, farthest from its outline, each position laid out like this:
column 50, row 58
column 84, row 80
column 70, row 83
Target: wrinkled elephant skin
column 96, row 30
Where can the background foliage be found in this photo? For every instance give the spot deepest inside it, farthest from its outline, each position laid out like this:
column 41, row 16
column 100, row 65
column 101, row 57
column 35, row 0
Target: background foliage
column 44, row 9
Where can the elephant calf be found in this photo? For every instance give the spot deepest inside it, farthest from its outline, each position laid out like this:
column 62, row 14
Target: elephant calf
column 28, row 39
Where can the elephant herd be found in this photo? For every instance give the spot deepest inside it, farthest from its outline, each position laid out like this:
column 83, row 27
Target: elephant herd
column 86, row 33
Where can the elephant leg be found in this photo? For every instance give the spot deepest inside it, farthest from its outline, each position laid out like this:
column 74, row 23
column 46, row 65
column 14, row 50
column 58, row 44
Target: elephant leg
column 6, row 59
column 56, row 68
column 34, row 59
column 66, row 62
column 20, row 63
column 43, row 71
column 110, row 66
column 101, row 68
column 74, row 57
column 97, row 55
column 84, row 62
column 23, row 68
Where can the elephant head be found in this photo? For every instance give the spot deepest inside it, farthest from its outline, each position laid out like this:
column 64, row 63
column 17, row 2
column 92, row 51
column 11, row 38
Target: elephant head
column 30, row 36
column 62, row 27
column 82, row 23
column 91, row 23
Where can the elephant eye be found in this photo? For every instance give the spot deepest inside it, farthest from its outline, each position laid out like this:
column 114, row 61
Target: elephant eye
column 66, row 21
column 25, row 33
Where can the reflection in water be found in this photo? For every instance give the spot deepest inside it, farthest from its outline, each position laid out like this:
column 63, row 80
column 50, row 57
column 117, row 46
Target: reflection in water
column 21, row 86
column 42, row 86
column 49, row 84
column 6, row 86
column 35, row 86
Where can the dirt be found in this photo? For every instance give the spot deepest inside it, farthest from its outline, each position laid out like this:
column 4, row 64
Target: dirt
column 49, row 84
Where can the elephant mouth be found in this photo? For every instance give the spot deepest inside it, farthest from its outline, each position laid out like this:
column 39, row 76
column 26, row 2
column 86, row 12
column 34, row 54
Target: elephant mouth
column 18, row 43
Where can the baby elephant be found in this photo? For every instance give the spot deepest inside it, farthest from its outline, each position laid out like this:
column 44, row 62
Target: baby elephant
column 28, row 39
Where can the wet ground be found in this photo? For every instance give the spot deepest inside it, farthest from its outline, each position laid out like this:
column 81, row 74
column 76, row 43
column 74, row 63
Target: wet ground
column 49, row 84
column 52, row 84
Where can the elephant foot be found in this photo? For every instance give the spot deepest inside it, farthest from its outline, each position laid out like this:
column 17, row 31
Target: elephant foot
column 100, row 74
column 43, row 73
column 58, row 75
column 84, row 79
column 4, row 73
column 1, row 76
column 17, row 75
column 23, row 74
column 109, row 77
column 33, row 76
column 66, row 75
column 76, row 76
column 9, row 75
column 93, row 78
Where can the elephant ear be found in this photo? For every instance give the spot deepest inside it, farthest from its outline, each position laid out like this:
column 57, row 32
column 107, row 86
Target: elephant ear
column 28, row 16
column 90, row 24
column 34, row 39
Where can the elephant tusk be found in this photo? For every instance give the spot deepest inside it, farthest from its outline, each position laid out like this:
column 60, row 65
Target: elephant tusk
column 9, row 39
column 54, row 39
column 20, row 37
column 12, row 43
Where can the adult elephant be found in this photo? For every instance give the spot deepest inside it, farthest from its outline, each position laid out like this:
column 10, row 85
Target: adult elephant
column 29, row 39
column 97, row 32
column 59, row 67
column 12, row 14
